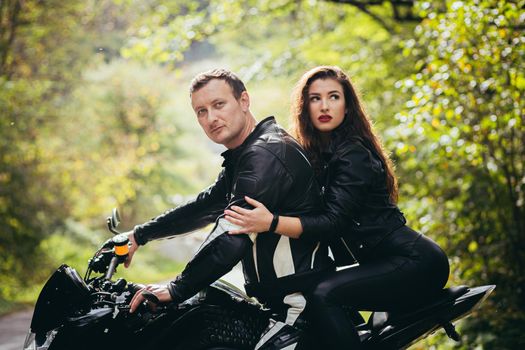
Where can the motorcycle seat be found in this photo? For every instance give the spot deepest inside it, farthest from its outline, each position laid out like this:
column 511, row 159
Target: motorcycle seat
column 378, row 319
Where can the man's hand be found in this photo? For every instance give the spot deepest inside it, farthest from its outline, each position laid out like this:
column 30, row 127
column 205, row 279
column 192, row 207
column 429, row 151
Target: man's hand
column 132, row 248
column 161, row 292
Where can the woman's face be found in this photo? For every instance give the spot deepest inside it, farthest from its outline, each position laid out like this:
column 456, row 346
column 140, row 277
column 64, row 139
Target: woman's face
column 326, row 104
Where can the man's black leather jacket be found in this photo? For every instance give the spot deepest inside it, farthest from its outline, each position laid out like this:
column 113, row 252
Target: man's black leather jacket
column 358, row 211
column 270, row 167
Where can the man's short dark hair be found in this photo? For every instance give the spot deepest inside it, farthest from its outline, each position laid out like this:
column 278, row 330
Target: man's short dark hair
column 229, row 77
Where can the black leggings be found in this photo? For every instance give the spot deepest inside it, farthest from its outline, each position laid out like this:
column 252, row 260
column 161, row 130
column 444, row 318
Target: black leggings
column 405, row 265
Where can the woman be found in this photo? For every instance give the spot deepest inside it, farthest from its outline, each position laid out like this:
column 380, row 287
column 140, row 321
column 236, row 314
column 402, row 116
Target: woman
column 360, row 220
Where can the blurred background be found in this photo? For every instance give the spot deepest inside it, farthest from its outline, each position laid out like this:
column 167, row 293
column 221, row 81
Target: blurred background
column 95, row 114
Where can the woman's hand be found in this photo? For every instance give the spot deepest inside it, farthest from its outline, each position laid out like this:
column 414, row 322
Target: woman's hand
column 256, row 220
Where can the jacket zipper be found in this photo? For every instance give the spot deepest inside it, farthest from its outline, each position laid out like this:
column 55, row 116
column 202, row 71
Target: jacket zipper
column 348, row 249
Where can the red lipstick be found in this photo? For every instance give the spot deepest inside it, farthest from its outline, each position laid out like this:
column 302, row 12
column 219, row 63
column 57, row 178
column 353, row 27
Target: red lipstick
column 325, row 118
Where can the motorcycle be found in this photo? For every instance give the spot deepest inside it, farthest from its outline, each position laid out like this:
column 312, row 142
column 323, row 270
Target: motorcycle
column 93, row 312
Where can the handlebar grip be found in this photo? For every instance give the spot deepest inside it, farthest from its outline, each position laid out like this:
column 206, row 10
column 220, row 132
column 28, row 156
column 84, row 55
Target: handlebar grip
column 149, row 296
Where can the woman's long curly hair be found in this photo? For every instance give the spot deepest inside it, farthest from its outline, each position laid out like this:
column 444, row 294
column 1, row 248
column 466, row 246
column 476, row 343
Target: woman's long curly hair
column 355, row 123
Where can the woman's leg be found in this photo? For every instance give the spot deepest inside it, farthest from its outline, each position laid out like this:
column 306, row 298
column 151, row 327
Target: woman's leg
column 362, row 288
column 406, row 265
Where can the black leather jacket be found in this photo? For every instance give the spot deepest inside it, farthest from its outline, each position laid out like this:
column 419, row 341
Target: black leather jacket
column 270, row 167
column 358, row 211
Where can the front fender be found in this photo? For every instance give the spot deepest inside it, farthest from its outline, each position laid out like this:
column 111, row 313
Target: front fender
column 40, row 341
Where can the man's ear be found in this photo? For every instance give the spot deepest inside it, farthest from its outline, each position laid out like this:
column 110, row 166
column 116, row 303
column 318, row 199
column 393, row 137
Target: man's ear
column 244, row 100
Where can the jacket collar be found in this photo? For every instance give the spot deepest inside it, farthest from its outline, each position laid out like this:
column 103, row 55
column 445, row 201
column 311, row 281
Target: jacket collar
column 340, row 136
column 231, row 155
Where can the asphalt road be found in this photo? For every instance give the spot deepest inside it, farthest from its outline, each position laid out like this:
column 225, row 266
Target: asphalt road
column 13, row 330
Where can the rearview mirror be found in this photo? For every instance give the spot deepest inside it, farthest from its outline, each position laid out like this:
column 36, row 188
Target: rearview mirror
column 113, row 221
column 115, row 217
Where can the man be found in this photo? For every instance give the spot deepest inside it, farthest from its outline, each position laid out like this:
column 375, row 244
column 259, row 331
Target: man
column 263, row 162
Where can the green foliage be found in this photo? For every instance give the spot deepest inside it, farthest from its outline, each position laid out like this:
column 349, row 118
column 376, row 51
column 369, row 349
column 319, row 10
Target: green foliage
column 263, row 40
column 24, row 203
column 462, row 138
column 40, row 60
column 140, row 135
column 80, row 135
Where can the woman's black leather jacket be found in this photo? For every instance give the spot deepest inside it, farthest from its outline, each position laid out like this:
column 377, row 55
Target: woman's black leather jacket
column 358, row 211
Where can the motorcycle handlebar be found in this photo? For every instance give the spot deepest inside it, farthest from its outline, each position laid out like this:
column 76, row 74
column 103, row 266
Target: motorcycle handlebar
column 112, row 267
column 117, row 246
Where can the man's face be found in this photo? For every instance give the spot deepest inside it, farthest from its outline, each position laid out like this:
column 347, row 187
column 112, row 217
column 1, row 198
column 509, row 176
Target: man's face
column 222, row 117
